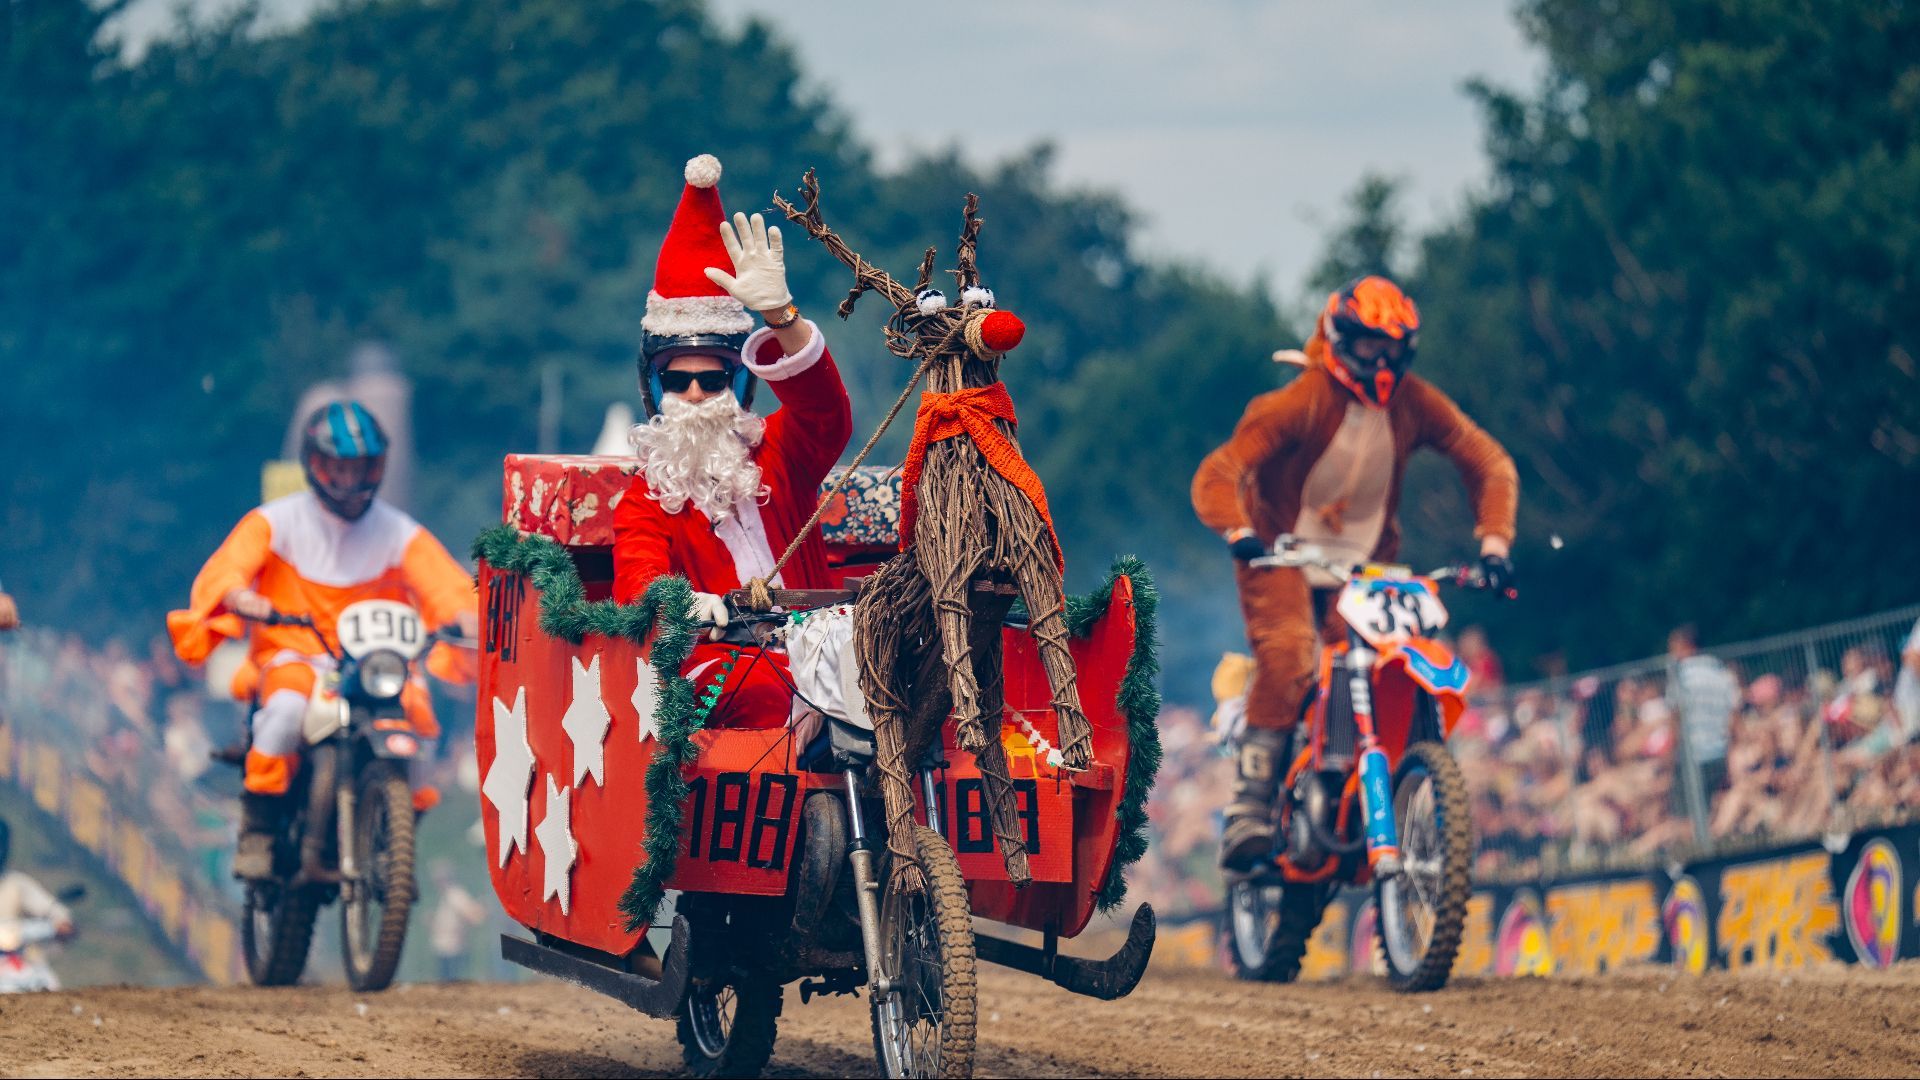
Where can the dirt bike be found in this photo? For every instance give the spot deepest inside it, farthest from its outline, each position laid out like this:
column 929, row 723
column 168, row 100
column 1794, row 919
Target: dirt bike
column 350, row 833
column 781, row 870
column 1371, row 794
column 23, row 966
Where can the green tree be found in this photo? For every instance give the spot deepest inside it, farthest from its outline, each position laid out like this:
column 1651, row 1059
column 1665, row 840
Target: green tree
column 1686, row 303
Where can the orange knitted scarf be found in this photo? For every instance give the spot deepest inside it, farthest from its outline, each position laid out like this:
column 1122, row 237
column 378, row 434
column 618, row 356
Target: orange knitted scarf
column 971, row 413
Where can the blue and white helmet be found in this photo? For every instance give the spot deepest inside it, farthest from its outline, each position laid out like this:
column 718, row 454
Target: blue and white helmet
column 344, row 455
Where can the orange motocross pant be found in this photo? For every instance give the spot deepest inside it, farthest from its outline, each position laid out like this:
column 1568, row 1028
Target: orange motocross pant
column 1278, row 605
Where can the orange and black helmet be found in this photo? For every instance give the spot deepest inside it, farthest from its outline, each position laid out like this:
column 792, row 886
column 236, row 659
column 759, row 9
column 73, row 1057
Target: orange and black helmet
column 1372, row 330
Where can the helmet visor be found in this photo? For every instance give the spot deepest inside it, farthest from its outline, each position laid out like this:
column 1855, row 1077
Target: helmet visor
column 343, row 477
column 1378, row 350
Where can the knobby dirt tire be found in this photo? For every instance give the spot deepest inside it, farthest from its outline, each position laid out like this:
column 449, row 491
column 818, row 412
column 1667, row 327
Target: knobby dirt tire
column 749, row 1038
column 383, row 788
column 1302, row 906
column 959, row 977
column 289, row 936
column 1456, row 888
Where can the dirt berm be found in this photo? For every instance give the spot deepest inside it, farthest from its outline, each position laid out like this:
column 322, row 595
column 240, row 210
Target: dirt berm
column 1833, row 1021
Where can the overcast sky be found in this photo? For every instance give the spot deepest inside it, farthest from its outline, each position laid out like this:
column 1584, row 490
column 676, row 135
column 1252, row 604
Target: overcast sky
column 1233, row 127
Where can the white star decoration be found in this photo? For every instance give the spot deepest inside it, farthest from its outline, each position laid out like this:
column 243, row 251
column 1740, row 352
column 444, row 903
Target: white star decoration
column 586, row 723
column 511, row 773
column 555, row 834
column 646, row 699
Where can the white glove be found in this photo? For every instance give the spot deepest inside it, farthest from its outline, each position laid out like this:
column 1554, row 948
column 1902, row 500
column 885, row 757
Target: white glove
column 710, row 607
column 759, row 278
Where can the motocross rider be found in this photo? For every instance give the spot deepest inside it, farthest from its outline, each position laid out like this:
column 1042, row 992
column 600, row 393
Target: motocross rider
column 314, row 553
column 1322, row 459
column 21, row 897
column 720, row 491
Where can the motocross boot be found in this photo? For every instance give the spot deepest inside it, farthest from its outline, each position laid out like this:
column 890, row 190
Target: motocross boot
column 259, row 825
column 1248, row 836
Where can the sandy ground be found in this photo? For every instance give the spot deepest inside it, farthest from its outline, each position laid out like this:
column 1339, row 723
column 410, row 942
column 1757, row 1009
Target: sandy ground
column 1178, row 1023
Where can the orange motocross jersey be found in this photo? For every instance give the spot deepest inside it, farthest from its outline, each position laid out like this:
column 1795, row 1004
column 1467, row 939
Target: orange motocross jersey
column 306, row 561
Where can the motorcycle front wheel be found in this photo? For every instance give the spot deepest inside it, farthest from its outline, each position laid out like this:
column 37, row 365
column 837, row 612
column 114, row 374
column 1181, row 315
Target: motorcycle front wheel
column 373, row 914
column 1423, row 909
column 1268, row 926
column 727, row 1029
column 276, row 929
column 925, row 1026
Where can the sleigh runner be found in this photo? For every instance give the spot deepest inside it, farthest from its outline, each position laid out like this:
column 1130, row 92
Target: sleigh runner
column 601, row 788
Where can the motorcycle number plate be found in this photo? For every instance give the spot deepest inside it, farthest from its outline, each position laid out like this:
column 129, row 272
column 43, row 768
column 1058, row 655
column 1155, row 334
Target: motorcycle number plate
column 1387, row 611
column 381, row 624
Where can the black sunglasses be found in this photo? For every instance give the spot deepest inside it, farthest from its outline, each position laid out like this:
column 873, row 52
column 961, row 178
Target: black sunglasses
column 677, row 382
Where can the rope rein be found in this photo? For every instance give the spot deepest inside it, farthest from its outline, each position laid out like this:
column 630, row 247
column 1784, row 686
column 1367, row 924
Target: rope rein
column 759, row 593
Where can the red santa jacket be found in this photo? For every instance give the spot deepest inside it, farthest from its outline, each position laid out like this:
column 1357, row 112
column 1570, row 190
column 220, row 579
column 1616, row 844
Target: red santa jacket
column 804, row 438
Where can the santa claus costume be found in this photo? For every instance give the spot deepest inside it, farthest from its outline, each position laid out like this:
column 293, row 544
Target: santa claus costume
column 722, row 492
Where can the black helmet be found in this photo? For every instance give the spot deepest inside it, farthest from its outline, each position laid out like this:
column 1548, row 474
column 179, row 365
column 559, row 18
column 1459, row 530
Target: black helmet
column 658, row 350
column 344, row 454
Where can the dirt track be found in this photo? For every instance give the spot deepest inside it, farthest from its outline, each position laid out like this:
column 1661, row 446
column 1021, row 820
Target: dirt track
column 1830, row 1022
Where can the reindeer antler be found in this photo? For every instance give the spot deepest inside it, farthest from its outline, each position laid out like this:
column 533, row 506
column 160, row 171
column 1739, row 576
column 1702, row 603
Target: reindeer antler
column 968, row 271
column 866, row 276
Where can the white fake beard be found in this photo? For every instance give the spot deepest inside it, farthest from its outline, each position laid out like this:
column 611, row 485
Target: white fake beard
column 700, row 454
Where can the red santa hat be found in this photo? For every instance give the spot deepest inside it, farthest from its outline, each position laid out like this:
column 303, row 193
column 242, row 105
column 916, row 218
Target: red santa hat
column 683, row 303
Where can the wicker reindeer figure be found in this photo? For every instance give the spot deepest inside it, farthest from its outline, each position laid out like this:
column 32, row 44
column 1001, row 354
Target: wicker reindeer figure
column 975, row 533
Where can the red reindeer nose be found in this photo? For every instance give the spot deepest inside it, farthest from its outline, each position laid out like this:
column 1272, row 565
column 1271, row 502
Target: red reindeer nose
column 1001, row 331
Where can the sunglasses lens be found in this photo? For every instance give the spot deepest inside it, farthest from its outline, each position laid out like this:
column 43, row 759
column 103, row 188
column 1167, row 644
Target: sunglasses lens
column 677, row 382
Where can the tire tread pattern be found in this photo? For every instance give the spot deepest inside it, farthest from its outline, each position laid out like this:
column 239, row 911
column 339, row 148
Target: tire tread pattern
column 959, row 976
column 1450, row 917
column 392, row 788
column 750, row 1039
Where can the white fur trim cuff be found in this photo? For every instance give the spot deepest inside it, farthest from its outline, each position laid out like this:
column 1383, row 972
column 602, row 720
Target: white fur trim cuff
column 680, row 316
column 787, row 366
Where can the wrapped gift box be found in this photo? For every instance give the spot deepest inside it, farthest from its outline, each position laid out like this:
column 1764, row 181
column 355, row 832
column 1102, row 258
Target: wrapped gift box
column 570, row 498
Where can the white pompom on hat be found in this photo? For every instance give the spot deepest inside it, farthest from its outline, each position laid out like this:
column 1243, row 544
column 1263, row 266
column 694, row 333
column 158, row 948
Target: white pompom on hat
column 703, row 171
column 683, row 301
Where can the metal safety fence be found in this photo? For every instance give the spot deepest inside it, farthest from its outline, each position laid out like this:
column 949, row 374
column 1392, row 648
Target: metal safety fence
column 1700, row 752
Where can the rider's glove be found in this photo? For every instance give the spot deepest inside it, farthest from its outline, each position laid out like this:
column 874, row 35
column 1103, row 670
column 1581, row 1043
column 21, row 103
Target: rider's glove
column 1498, row 571
column 710, row 608
column 1246, row 547
column 759, row 278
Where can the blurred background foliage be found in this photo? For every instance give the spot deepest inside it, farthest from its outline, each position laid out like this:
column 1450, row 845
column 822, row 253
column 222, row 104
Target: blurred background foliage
column 1685, row 300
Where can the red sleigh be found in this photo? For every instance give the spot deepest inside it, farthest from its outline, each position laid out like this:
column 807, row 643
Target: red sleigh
column 578, row 733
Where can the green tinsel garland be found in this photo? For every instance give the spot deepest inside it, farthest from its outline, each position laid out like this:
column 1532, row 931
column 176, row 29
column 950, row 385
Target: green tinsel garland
column 666, row 607
column 1139, row 702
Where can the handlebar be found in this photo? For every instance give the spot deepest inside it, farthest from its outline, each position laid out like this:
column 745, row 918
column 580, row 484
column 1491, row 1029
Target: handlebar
column 276, row 617
column 1289, row 551
column 446, row 635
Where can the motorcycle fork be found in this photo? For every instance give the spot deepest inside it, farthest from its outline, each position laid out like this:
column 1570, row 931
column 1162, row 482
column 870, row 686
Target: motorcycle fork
column 343, row 814
column 866, row 890
column 1376, row 777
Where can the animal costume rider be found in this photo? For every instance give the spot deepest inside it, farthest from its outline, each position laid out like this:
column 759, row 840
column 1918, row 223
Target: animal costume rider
column 1322, row 459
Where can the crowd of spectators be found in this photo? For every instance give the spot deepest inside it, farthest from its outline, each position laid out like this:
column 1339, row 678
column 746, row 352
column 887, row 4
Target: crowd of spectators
column 139, row 723
column 1593, row 769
